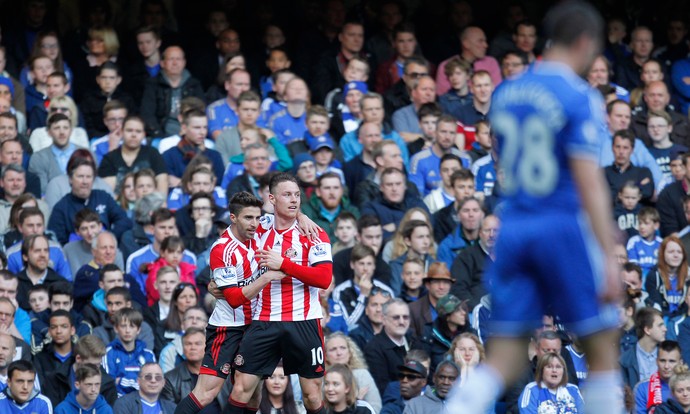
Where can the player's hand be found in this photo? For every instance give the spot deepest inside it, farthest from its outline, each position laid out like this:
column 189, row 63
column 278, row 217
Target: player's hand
column 307, row 227
column 269, row 258
column 613, row 288
column 214, row 291
column 274, row 275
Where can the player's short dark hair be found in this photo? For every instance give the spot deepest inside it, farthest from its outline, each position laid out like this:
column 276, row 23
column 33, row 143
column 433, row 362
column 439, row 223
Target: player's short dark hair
column 21, row 366
column 367, row 221
column 62, row 313
column 669, row 346
column 645, row 319
column 281, row 178
column 241, row 200
column 161, row 214
column 565, row 23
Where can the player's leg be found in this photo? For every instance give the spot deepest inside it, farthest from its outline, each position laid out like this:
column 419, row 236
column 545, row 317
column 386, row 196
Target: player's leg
column 603, row 389
column 222, row 343
column 253, row 404
column 242, row 391
column 304, row 355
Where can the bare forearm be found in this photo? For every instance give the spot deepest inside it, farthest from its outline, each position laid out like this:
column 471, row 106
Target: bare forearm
column 596, row 200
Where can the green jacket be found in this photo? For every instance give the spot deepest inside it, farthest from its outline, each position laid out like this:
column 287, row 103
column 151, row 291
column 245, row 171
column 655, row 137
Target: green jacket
column 312, row 209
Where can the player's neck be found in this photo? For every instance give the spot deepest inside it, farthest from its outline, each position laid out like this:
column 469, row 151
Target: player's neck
column 233, row 230
column 283, row 222
column 563, row 55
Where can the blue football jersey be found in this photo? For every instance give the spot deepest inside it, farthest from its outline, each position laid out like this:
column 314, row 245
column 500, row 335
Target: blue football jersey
column 541, row 120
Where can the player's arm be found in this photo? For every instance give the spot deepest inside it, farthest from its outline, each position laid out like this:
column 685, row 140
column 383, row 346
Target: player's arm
column 317, row 274
column 237, row 296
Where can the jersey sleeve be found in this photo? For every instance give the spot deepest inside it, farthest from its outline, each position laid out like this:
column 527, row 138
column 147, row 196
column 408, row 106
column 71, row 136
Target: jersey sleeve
column 588, row 128
column 223, row 271
column 265, row 224
column 320, row 250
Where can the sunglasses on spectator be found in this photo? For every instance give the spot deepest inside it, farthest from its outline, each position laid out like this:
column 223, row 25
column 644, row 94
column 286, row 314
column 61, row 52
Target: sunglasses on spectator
column 152, row 377
column 378, row 291
column 58, row 109
column 410, row 377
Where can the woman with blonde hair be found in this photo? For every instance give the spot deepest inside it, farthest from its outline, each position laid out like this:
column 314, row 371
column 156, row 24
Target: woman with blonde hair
column 102, row 45
column 467, row 352
column 396, row 246
column 65, row 105
column 680, row 388
column 341, row 349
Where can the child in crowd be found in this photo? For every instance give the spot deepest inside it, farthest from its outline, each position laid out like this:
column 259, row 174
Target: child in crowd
column 482, row 141
column 345, row 231
column 108, row 80
column 278, row 59
column 659, row 127
column 428, row 116
column 86, row 395
column 172, row 249
column 37, row 93
column 626, row 210
column 278, row 154
column 305, row 171
column 323, row 151
column 318, row 124
column 126, row 354
column 412, row 277
column 651, row 72
column 162, row 288
column 197, row 178
column 56, row 85
column 458, row 72
column 643, row 248
column 351, row 295
column 275, row 101
column 348, row 116
column 38, row 299
column 114, row 114
column 356, row 70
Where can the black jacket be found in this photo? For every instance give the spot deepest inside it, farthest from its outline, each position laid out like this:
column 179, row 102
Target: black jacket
column 468, row 271
column 178, row 384
column 59, row 385
column 91, row 108
column 342, row 270
column 25, row 284
column 434, row 341
column 395, row 98
column 157, row 99
column 669, row 407
column 670, row 207
column 383, row 357
column 239, row 183
column 679, row 134
column 363, row 333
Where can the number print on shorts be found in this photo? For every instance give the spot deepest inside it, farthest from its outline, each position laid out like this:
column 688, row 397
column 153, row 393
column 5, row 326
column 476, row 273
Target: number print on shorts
column 317, row 356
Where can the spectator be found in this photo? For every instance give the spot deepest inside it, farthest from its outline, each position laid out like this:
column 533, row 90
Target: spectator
column 657, row 98
column 412, row 276
column 223, row 114
column 160, row 102
column 277, row 394
column 114, row 113
column 393, row 202
column 17, row 320
column 88, row 227
column 141, row 233
column 193, row 131
column 13, row 183
column 412, row 379
column 36, row 93
column 41, row 137
column 8, row 351
column 126, row 354
column 628, row 70
column 57, row 85
column 81, row 174
column 86, row 395
column 639, row 363
column 36, row 259
column 18, row 150
column 466, row 233
column 150, row 383
column 180, row 381
column 59, row 350
column 172, row 354
column 147, row 63
column 447, row 218
column 405, row 119
column 452, row 320
column 256, row 164
column 652, row 392
column 102, row 46
column 20, row 394
column 467, row 352
column 204, row 228
column 622, row 170
column 386, row 351
column 398, row 95
column 95, row 311
column 425, row 169
column 117, row 298
column 133, row 156
column 289, row 124
column 434, row 398
column 340, row 391
column 92, row 104
column 369, row 233
column 458, row 73
column 172, row 250
column 651, row 71
column 20, row 347
column 416, row 235
column 328, row 74
column 660, row 129
column 405, row 46
column 50, row 162
column 551, row 374
column 423, row 311
column 327, row 202
column 473, row 51
column 481, row 87
column 643, row 248
column 666, row 282
column 513, row 64
column 468, row 267
column 599, row 75
column 60, row 298
column 371, row 323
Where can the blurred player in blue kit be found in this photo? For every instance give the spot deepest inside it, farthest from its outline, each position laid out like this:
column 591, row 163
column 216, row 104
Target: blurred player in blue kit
column 556, row 246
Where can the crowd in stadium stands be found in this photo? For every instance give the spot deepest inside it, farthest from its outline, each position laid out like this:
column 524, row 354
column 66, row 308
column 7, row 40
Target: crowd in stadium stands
column 125, row 128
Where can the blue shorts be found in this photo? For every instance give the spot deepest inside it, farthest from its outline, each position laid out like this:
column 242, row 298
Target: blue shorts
column 549, row 263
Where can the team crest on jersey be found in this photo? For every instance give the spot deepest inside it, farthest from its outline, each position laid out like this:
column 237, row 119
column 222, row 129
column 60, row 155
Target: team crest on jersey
column 290, row 253
column 239, row 360
column 225, row 369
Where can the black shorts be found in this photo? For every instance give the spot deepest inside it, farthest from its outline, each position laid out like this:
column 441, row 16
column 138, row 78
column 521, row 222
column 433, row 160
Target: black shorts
column 222, row 343
column 299, row 344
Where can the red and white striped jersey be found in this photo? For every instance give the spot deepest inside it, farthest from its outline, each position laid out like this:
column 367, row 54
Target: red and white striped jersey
column 289, row 299
column 233, row 264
